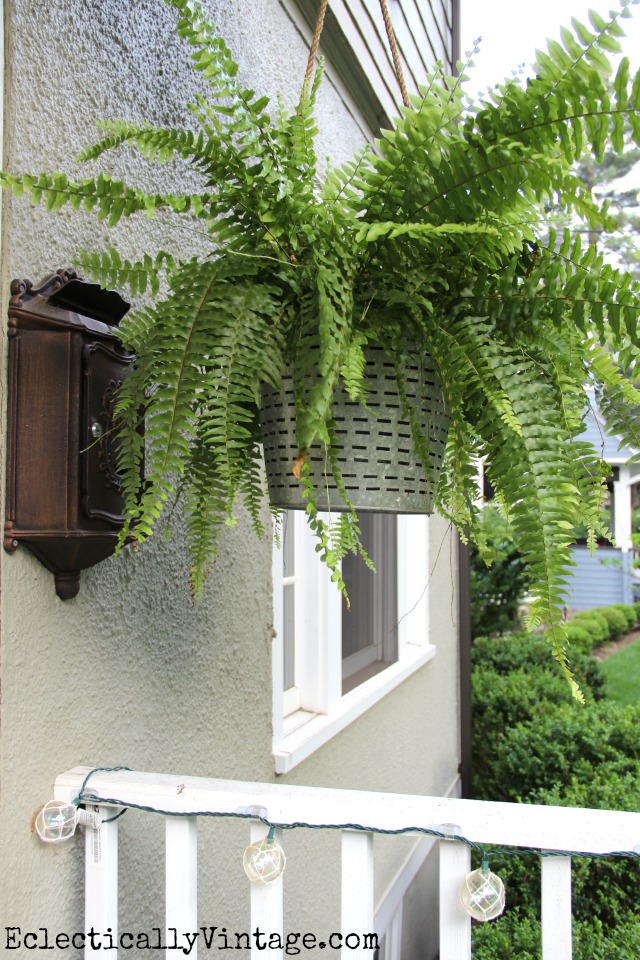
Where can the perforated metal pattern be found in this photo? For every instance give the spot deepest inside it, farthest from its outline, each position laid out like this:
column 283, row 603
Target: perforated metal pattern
column 378, row 467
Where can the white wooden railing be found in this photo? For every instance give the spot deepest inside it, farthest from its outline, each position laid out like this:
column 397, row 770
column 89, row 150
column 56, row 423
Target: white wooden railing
column 492, row 824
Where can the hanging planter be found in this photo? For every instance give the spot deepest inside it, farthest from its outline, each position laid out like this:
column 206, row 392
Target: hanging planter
column 437, row 235
column 375, row 452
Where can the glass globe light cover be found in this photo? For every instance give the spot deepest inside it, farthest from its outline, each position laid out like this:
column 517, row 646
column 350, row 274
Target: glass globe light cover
column 264, row 860
column 482, row 895
column 56, row 821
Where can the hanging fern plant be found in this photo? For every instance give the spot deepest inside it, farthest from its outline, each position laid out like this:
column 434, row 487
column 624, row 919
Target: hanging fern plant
column 435, row 236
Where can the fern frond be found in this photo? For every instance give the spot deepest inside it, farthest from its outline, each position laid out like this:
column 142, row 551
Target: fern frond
column 154, row 143
column 331, row 319
column 109, row 269
column 423, row 231
column 353, row 366
column 207, row 346
column 211, row 56
column 111, row 199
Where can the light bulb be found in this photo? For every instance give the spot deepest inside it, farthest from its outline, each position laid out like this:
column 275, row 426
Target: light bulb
column 264, row 860
column 449, row 831
column 482, row 894
column 56, row 821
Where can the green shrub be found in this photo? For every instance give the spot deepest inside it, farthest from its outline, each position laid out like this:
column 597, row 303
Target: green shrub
column 606, row 889
column 561, row 743
column 617, row 622
column 628, row 611
column 514, row 681
column 636, row 607
column 581, row 637
column 501, row 701
column 594, row 942
column 509, row 652
column 518, row 937
column 593, row 621
column 511, row 935
column 532, row 743
column 530, row 653
column 496, row 589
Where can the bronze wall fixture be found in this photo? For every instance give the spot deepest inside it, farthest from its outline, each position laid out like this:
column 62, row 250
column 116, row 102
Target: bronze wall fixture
column 66, row 363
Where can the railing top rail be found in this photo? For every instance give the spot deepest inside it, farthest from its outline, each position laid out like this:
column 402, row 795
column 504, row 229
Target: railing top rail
column 503, row 824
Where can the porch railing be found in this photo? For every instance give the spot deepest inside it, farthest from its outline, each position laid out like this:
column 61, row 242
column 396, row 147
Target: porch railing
column 538, row 828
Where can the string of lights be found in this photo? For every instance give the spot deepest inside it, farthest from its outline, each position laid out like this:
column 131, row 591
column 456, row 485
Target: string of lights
column 482, row 893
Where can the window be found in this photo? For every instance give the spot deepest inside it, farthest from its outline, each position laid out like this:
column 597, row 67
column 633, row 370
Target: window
column 330, row 664
column 369, row 632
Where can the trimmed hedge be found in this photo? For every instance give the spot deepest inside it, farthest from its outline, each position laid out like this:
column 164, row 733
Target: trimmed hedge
column 503, row 701
column 518, row 937
column 560, row 742
column 616, row 621
column 629, row 611
column 607, row 889
column 589, row 628
column 584, row 636
column 594, row 622
column 533, row 743
column 530, row 653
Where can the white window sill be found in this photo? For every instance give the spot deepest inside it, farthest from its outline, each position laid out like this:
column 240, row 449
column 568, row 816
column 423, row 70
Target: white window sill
column 306, row 732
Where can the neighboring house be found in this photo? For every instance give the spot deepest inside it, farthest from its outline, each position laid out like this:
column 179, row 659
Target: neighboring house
column 130, row 672
column 607, row 576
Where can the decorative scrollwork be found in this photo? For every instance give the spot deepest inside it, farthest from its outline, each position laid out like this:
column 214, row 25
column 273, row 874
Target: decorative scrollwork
column 22, row 290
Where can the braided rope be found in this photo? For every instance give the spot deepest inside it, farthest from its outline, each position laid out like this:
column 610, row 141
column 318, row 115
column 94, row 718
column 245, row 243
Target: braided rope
column 315, row 41
column 395, row 54
column 394, row 51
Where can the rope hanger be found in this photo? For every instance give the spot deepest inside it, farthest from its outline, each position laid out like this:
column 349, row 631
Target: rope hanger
column 395, row 54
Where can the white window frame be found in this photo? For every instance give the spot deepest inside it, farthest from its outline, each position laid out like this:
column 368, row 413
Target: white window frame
column 315, row 710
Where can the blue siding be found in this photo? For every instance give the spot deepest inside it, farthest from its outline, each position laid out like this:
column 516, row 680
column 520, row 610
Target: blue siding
column 594, row 584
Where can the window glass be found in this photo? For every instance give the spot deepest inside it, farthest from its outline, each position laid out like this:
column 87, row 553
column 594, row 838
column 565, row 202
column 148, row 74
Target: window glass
column 369, row 625
column 288, row 603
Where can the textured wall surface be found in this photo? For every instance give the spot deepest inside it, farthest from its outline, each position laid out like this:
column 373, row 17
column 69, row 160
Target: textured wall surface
column 130, row 672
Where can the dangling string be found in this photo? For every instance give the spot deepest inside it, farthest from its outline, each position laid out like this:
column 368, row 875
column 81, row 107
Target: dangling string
column 395, row 54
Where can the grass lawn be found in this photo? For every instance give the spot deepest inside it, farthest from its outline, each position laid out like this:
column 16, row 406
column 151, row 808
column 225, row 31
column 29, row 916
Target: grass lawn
column 622, row 670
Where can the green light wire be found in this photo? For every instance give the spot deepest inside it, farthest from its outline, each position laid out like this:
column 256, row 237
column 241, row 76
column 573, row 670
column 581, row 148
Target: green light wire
column 79, row 799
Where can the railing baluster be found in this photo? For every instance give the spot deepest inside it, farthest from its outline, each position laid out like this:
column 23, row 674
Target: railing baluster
column 101, row 880
column 556, row 908
column 181, row 880
column 357, row 894
column 455, row 922
column 267, row 904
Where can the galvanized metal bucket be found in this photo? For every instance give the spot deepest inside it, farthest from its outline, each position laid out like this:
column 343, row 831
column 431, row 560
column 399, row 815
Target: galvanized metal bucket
column 376, row 459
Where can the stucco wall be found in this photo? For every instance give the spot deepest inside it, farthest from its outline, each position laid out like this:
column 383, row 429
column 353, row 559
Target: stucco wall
column 130, row 672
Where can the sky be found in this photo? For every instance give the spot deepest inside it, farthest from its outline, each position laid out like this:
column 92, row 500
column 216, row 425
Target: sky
column 512, row 29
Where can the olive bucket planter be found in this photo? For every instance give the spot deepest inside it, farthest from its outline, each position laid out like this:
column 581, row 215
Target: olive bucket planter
column 376, row 457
